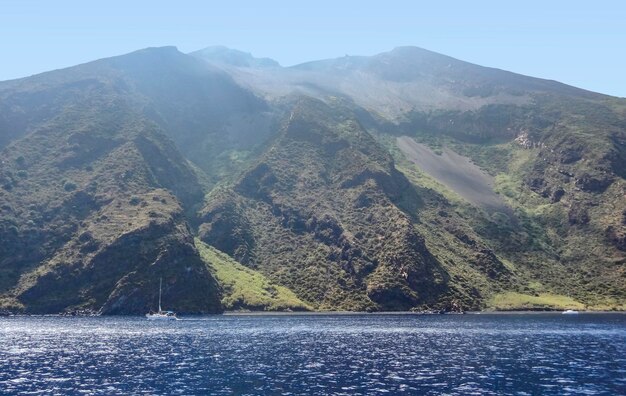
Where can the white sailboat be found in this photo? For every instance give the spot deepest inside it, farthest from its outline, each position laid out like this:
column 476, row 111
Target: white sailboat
column 161, row 315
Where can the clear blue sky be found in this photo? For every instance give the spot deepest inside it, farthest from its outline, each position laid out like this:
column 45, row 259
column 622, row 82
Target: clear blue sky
column 582, row 43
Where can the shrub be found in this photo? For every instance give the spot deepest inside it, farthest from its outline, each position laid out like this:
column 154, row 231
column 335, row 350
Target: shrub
column 69, row 186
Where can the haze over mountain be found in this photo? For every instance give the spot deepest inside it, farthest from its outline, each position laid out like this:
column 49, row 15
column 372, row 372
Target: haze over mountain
column 405, row 180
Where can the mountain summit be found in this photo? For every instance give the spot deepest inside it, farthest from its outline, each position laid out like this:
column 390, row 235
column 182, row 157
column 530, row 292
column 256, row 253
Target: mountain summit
column 221, row 54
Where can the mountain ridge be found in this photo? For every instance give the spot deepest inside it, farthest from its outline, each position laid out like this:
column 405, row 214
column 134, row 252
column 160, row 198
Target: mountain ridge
column 297, row 173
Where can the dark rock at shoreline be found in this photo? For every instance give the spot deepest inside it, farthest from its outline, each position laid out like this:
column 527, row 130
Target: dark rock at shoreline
column 6, row 312
column 80, row 312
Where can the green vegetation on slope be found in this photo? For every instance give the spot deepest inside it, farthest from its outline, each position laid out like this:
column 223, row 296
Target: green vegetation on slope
column 542, row 302
column 95, row 200
column 319, row 213
column 96, row 212
column 530, row 248
column 246, row 289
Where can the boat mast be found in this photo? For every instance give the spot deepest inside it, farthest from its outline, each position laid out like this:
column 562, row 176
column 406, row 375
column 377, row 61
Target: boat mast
column 160, row 283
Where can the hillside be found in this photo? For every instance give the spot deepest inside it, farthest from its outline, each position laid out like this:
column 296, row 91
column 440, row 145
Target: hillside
column 244, row 289
column 404, row 180
column 316, row 213
column 549, row 158
column 93, row 202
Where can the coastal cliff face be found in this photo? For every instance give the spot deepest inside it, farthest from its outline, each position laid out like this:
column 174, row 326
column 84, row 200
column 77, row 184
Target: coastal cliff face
column 347, row 184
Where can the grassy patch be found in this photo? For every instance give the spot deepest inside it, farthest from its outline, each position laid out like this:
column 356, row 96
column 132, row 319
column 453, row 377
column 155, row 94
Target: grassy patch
column 542, row 301
column 246, row 289
column 10, row 304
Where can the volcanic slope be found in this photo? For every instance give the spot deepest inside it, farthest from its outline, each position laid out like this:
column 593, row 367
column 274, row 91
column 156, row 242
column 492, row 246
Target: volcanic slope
column 325, row 212
column 93, row 195
column 109, row 169
column 556, row 154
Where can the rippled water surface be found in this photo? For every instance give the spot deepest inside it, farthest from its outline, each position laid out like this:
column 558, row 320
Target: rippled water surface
column 523, row 354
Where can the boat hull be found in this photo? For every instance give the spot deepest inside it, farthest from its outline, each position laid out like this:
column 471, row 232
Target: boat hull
column 160, row 317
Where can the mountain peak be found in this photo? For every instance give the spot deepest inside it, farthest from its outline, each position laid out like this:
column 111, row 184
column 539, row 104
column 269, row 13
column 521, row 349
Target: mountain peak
column 233, row 57
column 411, row 49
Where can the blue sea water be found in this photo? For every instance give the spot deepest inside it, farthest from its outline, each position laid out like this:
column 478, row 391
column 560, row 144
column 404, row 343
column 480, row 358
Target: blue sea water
column 480, row 354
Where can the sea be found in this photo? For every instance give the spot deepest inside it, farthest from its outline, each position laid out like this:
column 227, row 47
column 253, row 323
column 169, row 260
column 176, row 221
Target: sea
column 316, row 354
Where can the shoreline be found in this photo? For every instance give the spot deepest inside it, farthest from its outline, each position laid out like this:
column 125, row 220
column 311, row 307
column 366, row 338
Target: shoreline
column 331, row 313
column 349, row 313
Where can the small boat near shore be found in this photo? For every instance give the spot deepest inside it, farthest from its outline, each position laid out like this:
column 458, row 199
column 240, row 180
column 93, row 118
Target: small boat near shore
column 570, row 312
column 161, row 315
